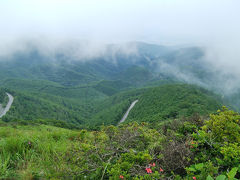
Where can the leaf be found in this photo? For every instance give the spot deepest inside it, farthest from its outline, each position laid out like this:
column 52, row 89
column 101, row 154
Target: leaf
column 199, row 166
column 209, row 178
column 221, row 177
column 192, row 169
column 232, row 173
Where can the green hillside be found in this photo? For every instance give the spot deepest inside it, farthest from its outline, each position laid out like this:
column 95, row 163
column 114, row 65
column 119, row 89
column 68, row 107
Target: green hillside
column 3, row 98
column 111, row 87
column 87, row 107
column 87, row 92
column 136, row 75
column 173, row 101
column 64, row 120
column 111, row 110
column 157, row 104
column 35, row 109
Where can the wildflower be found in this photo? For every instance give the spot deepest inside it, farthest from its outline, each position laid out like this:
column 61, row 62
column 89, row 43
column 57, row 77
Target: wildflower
column 29, row 142
column 194, row 178
column 149, row 171
column 153, row 164
column 161, row 170
column 121, row 177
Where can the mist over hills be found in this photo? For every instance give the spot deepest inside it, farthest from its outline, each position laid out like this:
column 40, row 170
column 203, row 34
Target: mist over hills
column 116, row 62
column 81, row 87
column 120, row 89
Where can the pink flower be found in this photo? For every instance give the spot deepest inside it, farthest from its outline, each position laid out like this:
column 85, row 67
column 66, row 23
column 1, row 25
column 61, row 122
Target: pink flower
column 153, row 164
column 121, row 177
column 194, row 178
column 149, row 171
column 29, row 142
column 161, row 170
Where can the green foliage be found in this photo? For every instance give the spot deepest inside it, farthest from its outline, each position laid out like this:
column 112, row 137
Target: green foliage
column 219, row 138
column 135, row 75
column 47, row 152
column 224, row 126
column 202, row 170
column 111, row 87
column 218, row 142
column 30, row 108
column 92, row 105
column 3, row 98
column 173, row 101
column 173, row 141
column 229, row 176
column 112, row 109
column 181, row 149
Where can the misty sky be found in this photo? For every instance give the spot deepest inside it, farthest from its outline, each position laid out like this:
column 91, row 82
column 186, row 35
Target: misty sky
column 161, row 21
column 210, row 23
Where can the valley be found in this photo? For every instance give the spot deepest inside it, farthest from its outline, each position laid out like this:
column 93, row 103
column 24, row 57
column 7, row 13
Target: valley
column 119, row 90
column 87, row 94
column 113, row 115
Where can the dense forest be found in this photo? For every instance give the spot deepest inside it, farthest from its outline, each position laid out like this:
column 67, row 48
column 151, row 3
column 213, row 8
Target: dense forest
column 155, row 104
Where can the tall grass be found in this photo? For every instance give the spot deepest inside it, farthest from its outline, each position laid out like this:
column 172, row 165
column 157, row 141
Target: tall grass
column 32, row 152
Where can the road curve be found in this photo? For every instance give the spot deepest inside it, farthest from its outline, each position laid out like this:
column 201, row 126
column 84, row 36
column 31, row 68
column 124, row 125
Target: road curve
column 126, row 114
column 9, row 104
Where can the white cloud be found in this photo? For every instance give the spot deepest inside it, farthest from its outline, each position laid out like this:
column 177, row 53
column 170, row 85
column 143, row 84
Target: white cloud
column 120, row 20
column 210, row 23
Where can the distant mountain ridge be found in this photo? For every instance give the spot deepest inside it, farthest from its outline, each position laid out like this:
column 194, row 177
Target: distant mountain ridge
column 82, row 89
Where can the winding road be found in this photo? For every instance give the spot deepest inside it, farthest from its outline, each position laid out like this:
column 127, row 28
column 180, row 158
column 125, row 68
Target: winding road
column 8, row 106
column 126, row 114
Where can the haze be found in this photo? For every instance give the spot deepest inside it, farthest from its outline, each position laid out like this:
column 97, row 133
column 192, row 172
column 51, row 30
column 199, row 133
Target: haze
column 211, row 24
column 161, row 21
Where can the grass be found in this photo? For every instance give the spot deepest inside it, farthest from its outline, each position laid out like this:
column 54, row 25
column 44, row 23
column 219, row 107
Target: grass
column 28, row 152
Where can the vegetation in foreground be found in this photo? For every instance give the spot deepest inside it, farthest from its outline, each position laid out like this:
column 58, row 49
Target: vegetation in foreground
column 192, row 148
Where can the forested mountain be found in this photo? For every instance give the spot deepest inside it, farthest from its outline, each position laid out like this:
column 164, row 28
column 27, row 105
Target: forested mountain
column 173, row 101
column 119, row 90
column 145, row 63
column 166, row 134
column 155, row 104
column 98, row 90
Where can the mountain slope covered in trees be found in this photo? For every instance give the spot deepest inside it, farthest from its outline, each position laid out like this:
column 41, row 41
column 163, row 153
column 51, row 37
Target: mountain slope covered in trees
column 155, row 104
column 174, row 101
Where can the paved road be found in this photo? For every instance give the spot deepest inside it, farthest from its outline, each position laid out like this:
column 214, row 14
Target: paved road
column 129, row 109
column 9, row 104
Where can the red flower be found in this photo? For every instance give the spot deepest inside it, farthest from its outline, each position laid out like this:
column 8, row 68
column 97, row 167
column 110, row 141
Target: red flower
column 161, row 170
column 121, row 177
column 194, row 178
column 149, row 171
column 153, row 164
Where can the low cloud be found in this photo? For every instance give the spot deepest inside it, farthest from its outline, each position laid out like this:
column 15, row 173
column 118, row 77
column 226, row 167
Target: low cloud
column 82, row 30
